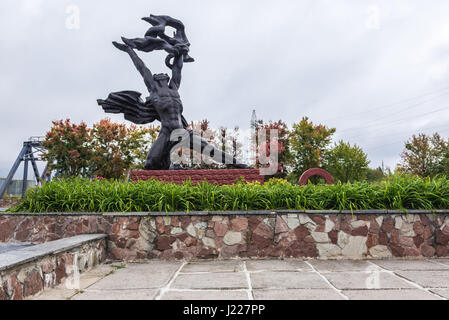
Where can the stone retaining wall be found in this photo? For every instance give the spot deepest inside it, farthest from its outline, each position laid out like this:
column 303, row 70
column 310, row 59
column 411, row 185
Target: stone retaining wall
column 26, row 280
column 254, row 235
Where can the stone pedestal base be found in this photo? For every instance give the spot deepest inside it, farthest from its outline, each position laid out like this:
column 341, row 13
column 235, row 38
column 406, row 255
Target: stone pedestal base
column 221, row 177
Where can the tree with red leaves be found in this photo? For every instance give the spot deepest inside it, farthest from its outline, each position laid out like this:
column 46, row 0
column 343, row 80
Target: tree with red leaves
column 108, row 149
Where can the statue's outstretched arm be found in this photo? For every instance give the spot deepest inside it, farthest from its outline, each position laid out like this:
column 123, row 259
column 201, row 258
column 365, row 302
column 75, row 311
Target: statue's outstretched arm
column 140, row 65
column 178, row 63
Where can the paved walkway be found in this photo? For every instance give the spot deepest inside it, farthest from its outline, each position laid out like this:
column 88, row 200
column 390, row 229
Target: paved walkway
column 262, row 279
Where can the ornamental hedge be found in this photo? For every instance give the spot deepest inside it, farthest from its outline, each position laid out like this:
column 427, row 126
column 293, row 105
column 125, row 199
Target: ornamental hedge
column 82, row 195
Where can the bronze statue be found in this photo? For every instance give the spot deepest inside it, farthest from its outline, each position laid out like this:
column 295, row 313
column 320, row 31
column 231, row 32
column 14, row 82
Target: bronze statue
column 164, row 103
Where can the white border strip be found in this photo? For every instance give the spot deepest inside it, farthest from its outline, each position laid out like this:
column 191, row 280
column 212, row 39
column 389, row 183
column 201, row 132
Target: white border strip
column 163, row 290
column 248, row 279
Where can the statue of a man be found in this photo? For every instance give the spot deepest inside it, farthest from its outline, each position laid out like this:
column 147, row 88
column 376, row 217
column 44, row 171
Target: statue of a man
column 164, row 103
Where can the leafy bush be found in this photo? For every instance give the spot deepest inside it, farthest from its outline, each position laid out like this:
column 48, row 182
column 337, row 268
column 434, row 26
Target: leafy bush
column 107, row 149
column 276, row 182
column 81, row 195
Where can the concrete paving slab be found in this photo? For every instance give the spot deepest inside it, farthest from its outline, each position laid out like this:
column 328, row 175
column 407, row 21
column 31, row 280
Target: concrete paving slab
column 443, row 261
column 287, row 280
column 88, row 279
column 155, row 266
column 205, row 295
column 119, row 280
column 154, row 274
column 427, row 279
column 101, row 270
column 134, row 294
column 10, row 258
column 213, row 266
column 297, row 294
column 5, row 247
column 31, row 253
column 369, row 280
column 410, row 265
column 442, row 292
column 55, row 294
column 229, row 280
column 394, row 294
column 270, row 280
column 342, row 265
column 277, row 265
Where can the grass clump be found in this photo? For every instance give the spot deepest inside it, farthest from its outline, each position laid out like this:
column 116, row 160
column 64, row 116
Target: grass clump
column 81, row 195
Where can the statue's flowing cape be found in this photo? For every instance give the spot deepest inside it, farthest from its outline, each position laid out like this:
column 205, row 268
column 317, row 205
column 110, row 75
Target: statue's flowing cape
column 133, row 107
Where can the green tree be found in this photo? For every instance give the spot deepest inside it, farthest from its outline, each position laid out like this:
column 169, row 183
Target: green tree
column 425, row 155
column 442, row 151
column 308, row 145
column 374, row 175
column 346, row 163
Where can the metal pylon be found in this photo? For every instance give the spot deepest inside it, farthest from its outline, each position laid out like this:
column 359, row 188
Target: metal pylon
column 26, row 155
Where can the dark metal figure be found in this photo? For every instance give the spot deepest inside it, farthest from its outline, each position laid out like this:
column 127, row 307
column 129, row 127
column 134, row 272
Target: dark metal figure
column 156, row 39
column 164, row 103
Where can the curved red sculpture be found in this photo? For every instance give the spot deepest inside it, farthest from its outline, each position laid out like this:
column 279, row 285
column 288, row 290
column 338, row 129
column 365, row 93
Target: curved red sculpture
column 315, row 172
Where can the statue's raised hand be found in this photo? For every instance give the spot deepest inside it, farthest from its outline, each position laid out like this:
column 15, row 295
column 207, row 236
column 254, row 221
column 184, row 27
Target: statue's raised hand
column 121, row 46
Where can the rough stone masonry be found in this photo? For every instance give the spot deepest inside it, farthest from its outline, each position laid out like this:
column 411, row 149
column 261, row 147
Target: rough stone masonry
column 26, row 280
column 188, row 236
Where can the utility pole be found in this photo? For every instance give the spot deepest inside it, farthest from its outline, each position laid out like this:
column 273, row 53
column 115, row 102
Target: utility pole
column 253, row 122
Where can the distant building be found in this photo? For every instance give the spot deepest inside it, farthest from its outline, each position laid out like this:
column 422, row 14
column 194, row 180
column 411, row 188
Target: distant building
column 15, row 187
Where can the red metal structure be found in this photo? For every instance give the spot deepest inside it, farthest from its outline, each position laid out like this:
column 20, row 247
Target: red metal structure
column 315, row 172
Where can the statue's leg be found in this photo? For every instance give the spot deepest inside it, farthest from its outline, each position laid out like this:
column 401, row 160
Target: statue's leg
column 196, row 142
column 157, row 156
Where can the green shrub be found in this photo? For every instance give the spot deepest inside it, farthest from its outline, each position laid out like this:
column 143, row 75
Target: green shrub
column 276, row 181
column 81, row 195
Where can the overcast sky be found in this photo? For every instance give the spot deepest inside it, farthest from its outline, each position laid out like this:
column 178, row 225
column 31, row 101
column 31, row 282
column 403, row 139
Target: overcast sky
column 375, row 70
